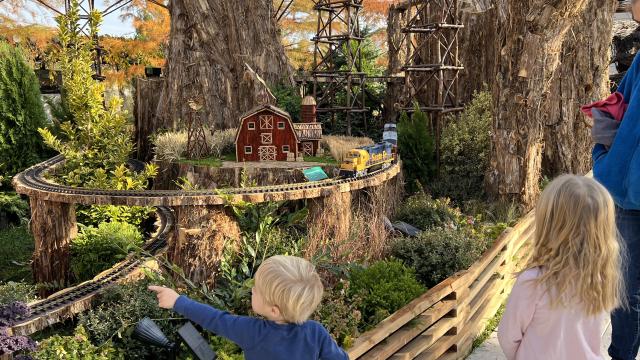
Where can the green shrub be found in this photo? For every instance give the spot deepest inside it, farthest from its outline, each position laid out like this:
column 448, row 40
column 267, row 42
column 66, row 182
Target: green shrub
column 425, row 213
column 464, row 151
column 116, row 313
column 439, row 253
column 14, row 208
column 340, row 314
column 17, row 249
column 97, row 141
column 76, row 347
column 97, row 214
column 21, row 113
column 416, row 147
column 16, row 291
column 97, row 249
column 384, row 287
column 288, row 98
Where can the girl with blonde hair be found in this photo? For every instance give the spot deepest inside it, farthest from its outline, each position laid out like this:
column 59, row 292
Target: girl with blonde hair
column 572, row 280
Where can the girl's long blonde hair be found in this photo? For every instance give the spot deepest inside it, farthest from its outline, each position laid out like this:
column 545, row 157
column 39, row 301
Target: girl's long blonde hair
column 576, row 245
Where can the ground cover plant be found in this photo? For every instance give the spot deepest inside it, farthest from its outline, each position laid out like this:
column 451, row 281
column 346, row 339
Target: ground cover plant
column 17, row 247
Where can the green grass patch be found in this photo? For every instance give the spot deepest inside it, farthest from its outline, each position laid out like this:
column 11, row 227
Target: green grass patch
column 16, row 248
column 491, row 326
column 321, row 159
column 209, row 161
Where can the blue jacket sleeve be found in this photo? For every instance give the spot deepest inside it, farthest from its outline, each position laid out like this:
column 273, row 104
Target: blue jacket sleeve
column 599, row 150
column 628, row 81
column 242, row 330
column 329, row 349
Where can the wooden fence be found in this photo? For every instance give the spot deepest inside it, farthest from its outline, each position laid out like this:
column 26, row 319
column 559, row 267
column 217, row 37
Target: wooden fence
column 443, row 322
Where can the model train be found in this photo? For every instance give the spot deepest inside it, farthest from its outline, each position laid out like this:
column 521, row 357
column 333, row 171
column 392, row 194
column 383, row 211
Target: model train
column 365, row 159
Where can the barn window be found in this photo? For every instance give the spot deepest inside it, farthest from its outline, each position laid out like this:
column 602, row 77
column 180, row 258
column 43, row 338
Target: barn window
column 248, row 149
column 251, row 125
column 266, row 122
column 285, row 148
column 266, row 138
column 280, row 125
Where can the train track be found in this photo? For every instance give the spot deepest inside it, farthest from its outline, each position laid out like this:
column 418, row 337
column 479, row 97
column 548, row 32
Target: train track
column 104, row 280
column 32, row 181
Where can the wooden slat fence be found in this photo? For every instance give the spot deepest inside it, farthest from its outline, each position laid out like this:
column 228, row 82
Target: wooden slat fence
column 443, row 322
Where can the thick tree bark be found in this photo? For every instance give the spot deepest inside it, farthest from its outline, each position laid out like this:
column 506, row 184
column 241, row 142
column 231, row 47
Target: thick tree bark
column 209, row 43
column 197, row 245
column 582, row 77
column 53, row 226
column 532, row 35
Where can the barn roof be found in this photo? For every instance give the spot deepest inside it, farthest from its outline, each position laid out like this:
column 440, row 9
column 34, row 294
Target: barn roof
column 271, row 108
column 308, row 131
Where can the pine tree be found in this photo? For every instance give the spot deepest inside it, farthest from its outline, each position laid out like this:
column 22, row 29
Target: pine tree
column 416, row 147
column 21, row 113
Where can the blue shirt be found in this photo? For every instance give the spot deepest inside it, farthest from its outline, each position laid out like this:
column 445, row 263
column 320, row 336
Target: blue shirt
column 618, row 169
column 264, row 339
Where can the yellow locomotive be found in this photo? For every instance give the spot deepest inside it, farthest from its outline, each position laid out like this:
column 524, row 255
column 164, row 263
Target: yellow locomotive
column 365, row 159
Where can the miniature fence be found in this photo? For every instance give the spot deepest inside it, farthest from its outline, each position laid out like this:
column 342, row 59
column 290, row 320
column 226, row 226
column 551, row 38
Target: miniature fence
column 443, row 322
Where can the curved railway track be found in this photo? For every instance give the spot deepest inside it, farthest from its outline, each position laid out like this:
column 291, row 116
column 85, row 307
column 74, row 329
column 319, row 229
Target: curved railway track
column 88, row 289
column 76, row 299
column 32, row 182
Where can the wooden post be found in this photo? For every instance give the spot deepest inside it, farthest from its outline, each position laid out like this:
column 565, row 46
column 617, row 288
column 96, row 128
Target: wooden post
column 53, row 226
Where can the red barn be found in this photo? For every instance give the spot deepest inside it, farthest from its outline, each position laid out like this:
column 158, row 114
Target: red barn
column 266, row 133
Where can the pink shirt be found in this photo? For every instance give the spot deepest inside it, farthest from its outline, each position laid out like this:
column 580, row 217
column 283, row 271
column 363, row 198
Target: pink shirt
column 531, row 329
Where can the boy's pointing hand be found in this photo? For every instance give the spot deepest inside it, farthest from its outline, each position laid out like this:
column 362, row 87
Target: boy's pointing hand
column 166, row 297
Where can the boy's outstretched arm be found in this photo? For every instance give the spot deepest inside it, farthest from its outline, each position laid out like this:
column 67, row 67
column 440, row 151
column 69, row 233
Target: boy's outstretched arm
column 242, row 330
column 329, row 349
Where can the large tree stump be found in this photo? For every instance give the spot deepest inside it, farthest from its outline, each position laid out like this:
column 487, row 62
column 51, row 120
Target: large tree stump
column 53, row 226
column 210, row 43
column 145, row 106
column 329, row 222
column 532, row 35
column 201, row 235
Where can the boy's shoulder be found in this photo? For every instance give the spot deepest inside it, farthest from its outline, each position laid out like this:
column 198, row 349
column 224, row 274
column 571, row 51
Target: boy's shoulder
column 315, row 327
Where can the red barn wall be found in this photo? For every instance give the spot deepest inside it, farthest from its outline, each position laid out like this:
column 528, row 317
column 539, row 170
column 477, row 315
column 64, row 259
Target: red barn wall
column 253, row 138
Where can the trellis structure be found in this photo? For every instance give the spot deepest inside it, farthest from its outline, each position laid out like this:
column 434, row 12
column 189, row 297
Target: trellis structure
column 338, row 79
column 423, row 48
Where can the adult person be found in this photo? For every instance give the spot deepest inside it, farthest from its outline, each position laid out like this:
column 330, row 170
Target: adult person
column 618, row 169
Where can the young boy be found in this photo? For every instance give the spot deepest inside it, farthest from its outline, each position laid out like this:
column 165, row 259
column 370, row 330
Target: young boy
column 287, row 291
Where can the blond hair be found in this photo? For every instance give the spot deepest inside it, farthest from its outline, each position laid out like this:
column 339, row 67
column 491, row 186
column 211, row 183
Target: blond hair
column 292, row 284
column 576, row 245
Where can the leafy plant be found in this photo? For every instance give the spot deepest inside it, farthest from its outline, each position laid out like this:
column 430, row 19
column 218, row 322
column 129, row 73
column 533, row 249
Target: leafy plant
column 15, row 291
column 112, row 319
column 288, row 98
column 464, row 151
column 21, row 113
column 422, row 211
column 96, row 214
column 384, row 287
column 17, row 248
column 97, row 249
column 96, row 143
column 14, row 208
column 340, row 314
column 438, row 253
column 76, row 347
column 10, row 344
column 416, row 147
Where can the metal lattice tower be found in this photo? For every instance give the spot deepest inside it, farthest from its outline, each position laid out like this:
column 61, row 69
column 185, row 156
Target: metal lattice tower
column 338, row 80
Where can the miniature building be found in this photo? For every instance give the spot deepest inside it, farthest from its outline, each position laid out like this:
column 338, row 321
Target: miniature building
column 267, row 133
column 309, row 132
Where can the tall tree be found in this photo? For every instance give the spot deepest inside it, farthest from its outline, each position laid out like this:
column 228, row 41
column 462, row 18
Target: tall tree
column 533, row 61
column 210, row 44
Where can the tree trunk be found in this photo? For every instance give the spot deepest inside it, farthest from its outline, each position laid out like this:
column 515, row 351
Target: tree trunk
column 209, row 43
column 201, row 235
column 583, row 77
column 145, row 106
column 53, row 226
column 532, row 35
